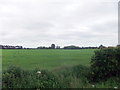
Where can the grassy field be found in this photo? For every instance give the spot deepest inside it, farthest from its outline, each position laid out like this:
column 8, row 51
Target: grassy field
column 67, row 69
column 46, row 59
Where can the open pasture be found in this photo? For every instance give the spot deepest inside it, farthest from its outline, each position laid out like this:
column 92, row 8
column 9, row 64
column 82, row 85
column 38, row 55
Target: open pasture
column 46, row 59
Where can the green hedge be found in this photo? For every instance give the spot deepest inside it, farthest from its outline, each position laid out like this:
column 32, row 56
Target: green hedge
column 105, row 64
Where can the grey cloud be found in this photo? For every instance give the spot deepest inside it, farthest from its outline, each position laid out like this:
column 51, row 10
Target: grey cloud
column 35, row 22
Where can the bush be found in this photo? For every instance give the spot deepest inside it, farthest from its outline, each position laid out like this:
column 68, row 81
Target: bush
column 105, row 64
column 14, row 77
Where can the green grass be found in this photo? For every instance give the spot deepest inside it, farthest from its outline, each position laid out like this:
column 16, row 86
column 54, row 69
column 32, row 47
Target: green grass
column 70, row 69
column 46, row 59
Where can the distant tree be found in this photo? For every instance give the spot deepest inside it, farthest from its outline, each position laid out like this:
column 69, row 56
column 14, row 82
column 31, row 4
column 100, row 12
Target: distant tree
column 52, row 46
column 101, row 46
column 0, row 46
column 40, row 47
column 57, row 47
column 118, row 45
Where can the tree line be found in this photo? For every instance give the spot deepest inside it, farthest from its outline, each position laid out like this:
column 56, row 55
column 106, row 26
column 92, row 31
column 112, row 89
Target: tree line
column 10, row 47
column 53, row 46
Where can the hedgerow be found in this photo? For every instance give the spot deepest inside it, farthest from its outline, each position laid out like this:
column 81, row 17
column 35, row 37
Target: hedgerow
column 105, row 64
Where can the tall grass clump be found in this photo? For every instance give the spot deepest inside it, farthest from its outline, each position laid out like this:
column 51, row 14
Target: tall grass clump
column 74, row 77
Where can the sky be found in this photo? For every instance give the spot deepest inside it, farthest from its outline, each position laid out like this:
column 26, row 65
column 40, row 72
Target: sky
column 33, row 23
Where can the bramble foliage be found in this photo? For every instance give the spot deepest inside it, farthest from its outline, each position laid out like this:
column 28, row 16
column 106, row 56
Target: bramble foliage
column 71, row 77
column 15, row 77
column 105, row 64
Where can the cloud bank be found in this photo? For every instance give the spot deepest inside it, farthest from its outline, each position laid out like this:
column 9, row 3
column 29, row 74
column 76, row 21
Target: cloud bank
column 33, row 23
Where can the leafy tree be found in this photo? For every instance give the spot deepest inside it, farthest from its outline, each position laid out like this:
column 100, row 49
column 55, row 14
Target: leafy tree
column 52, row 46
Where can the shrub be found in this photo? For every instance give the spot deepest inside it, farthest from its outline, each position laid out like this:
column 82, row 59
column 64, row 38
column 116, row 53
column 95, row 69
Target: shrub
column 105, row 64
column 14, row 77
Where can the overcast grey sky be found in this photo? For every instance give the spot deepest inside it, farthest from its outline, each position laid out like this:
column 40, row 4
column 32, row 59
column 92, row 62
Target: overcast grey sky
column 33, row 23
